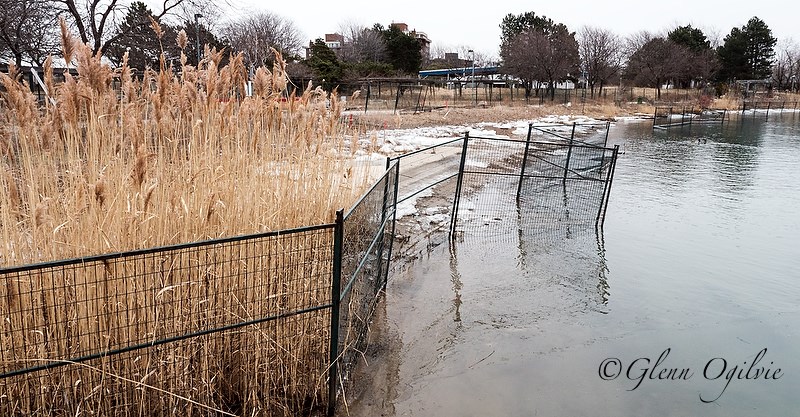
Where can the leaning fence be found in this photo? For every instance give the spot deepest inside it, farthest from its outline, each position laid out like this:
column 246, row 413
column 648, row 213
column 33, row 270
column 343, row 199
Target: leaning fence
column 563, row 176
column 666, row 117
column 506, row 185
column 264, row 324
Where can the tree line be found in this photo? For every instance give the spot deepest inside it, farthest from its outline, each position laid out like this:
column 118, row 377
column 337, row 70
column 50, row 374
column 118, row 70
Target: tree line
column 29, row 33
column 541, row 52
column 534, row 49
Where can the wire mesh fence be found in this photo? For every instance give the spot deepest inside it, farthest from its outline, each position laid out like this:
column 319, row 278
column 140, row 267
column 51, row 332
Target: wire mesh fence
column 366, row 251
column 227, row 326
column 666, row 117
column 428, row 167
column 266, row 324
column 508, row 185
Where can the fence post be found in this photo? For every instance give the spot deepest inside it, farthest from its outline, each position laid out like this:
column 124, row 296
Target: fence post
column 608, row 128
column 524, row 160
column 397, row 98
column 457, row 199
column 655, row 117
column 366, row 102
column 604, row 205
column 383, row 275
column 394, row 221
column 569, row 152
column 336, row 284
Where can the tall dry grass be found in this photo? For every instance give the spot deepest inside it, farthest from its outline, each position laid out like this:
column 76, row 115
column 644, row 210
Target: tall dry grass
column 169, row 158
column 114, row 163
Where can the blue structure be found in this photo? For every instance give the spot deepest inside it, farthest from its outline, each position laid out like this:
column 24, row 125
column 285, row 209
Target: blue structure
column 451, row 72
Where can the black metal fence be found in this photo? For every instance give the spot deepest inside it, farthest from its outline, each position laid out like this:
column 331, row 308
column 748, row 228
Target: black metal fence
column 366, row 251
column 506, row 185
column 264, row 324
column 421, row 95
column 671, row 116
column 564, row 177
column 766, row 106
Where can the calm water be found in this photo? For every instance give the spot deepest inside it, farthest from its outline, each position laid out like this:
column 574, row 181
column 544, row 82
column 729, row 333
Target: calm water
column 699, row 265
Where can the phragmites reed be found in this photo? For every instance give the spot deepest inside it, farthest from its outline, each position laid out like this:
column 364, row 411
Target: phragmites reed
column 178, row 155
column 67, row 41
column 182, row 39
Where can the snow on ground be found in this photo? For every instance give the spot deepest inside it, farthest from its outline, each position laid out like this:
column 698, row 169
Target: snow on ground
column 393, row 142
column 409, row 206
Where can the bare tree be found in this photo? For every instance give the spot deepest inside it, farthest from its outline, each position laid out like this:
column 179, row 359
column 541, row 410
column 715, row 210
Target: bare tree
column 786, row 70
column 361, row 44
column 255, row 35
column 538, row 57
column 27, row 30
column 601, row 56
column 97, row 21
column 635, row 42
column 656, row 62
column 351, row 31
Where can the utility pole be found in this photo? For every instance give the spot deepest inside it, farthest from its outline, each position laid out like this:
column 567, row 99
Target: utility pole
column 197, row 36
column 474, row 83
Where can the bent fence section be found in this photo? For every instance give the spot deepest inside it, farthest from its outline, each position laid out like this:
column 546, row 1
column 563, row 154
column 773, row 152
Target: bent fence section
column 264, row 324
column 508, row 184
column 562, row 177
column 666, row 117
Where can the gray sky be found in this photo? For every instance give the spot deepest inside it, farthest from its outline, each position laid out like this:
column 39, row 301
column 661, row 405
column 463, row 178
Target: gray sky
column 476, row 25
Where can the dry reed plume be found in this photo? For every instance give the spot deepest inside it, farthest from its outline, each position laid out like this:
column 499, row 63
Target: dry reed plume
column 115, row 163
column 119, row 163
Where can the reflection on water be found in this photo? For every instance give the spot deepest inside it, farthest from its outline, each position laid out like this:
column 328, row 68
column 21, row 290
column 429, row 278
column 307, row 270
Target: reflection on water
column 699, row 258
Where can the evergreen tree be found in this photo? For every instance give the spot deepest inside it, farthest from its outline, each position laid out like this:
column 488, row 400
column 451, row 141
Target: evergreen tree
column 690, row 37
column 206, row 38
column 402, row 50
column 137, row 37
column 747, row 53
column 325, row 65
column 760, row 48
column 513, row 25
column 698, row 62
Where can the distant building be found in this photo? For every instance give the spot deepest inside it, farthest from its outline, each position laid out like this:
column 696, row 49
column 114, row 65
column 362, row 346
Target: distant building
column 421, row 37
column 335, row 41
column 450, row 60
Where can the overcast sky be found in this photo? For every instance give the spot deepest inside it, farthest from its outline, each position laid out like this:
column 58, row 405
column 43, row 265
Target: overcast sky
column 476, row 25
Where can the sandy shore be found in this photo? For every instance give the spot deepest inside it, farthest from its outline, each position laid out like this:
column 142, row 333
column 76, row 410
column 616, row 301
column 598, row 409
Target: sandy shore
column 498, row 113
